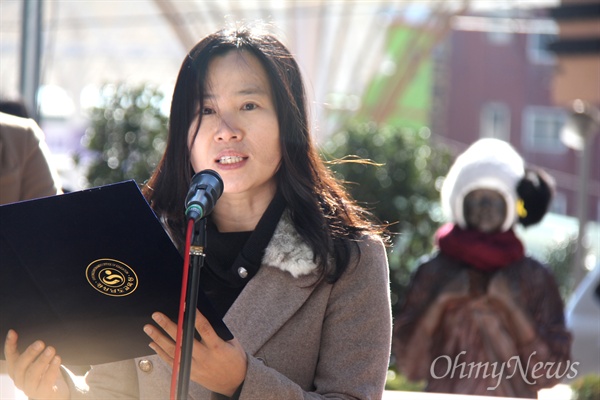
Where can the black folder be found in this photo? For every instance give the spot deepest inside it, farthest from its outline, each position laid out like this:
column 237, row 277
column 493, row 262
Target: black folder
column 84, row 272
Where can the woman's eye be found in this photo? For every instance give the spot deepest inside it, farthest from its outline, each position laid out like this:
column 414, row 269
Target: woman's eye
column 249, row 106
column 207, row 111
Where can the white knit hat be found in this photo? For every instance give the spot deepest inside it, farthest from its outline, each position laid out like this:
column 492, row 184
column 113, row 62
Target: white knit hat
column 486, row 164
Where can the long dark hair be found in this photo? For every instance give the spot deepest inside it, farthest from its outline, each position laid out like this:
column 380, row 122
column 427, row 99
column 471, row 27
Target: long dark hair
column 321, row 210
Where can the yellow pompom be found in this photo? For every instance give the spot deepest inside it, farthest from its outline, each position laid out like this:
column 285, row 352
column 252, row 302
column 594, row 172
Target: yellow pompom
column 521, row 211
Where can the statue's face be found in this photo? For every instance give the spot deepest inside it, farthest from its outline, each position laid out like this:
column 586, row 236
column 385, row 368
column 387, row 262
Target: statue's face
column 484, row 210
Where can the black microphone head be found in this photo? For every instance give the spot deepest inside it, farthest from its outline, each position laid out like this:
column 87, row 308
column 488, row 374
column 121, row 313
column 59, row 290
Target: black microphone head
column 205, row 189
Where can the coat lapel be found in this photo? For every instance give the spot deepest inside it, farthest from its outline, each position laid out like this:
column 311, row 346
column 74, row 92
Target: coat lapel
column 270, row 299
column 283, row 283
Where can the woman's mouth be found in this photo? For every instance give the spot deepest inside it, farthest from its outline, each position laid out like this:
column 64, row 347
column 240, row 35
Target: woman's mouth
column 230, row 160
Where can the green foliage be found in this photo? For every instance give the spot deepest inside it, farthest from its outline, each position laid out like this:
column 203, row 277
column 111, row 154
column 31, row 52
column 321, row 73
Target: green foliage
column 397, row 381
column 127, row 134
column 586, row 388
column 403, row 190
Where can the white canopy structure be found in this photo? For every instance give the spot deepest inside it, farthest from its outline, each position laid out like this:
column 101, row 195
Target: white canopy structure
column 338, row 43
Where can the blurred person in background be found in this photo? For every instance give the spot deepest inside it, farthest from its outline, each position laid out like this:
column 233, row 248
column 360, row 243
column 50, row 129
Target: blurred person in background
column 297, row 270
column 480, row 317
column 14, row 107
column 26, row 170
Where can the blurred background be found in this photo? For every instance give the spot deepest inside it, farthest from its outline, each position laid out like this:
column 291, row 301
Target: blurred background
column 406, row 83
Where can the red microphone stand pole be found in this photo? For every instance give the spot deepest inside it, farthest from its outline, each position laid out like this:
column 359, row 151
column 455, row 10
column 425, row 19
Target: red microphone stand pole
column 196, row 262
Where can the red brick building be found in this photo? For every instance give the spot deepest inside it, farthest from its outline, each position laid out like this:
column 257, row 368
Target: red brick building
column 496, row 77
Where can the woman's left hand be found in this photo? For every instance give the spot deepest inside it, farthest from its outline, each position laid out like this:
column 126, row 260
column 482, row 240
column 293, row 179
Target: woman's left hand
column 500, row 293
column 217, row 365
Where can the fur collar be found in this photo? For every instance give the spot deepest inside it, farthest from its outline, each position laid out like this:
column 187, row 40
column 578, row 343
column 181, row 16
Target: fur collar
column 288, row 251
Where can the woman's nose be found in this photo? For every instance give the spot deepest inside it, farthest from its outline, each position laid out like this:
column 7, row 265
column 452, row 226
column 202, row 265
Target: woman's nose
column 227, row 130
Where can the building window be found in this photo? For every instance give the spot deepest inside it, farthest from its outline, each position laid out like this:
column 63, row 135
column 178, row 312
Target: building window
column 541, row 129
column 537, row 48
column 559, row 204
column 499, row 37
column 498, row 28
column 495, row 121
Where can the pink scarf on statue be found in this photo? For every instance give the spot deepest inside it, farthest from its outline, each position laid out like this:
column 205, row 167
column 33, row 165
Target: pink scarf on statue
column 484, row 251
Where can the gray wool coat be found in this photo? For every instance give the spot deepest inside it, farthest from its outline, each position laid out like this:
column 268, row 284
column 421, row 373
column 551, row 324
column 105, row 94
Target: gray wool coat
column 303, row 341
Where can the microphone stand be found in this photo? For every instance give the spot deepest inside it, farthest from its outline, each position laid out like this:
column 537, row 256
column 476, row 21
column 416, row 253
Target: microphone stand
column 198, row 244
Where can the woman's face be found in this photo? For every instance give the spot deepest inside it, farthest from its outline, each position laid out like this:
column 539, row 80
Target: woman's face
column 239, row 133
column 484, row 210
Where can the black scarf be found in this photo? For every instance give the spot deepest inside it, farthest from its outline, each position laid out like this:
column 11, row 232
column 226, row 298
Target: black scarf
column 228, row 254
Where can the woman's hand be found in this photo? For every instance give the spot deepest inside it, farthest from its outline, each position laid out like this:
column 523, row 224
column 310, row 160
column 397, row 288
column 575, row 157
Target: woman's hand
column 37, row 371
column 452, row 297
column 217, row 365
column 500, row 293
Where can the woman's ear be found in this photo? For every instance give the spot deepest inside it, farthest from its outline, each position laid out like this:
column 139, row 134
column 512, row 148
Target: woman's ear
column 536, row 190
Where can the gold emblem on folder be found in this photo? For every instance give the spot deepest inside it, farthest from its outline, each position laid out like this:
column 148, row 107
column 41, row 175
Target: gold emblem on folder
column 111, row 277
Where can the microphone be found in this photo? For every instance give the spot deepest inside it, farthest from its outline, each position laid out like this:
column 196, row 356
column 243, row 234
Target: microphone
column 205, row 190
